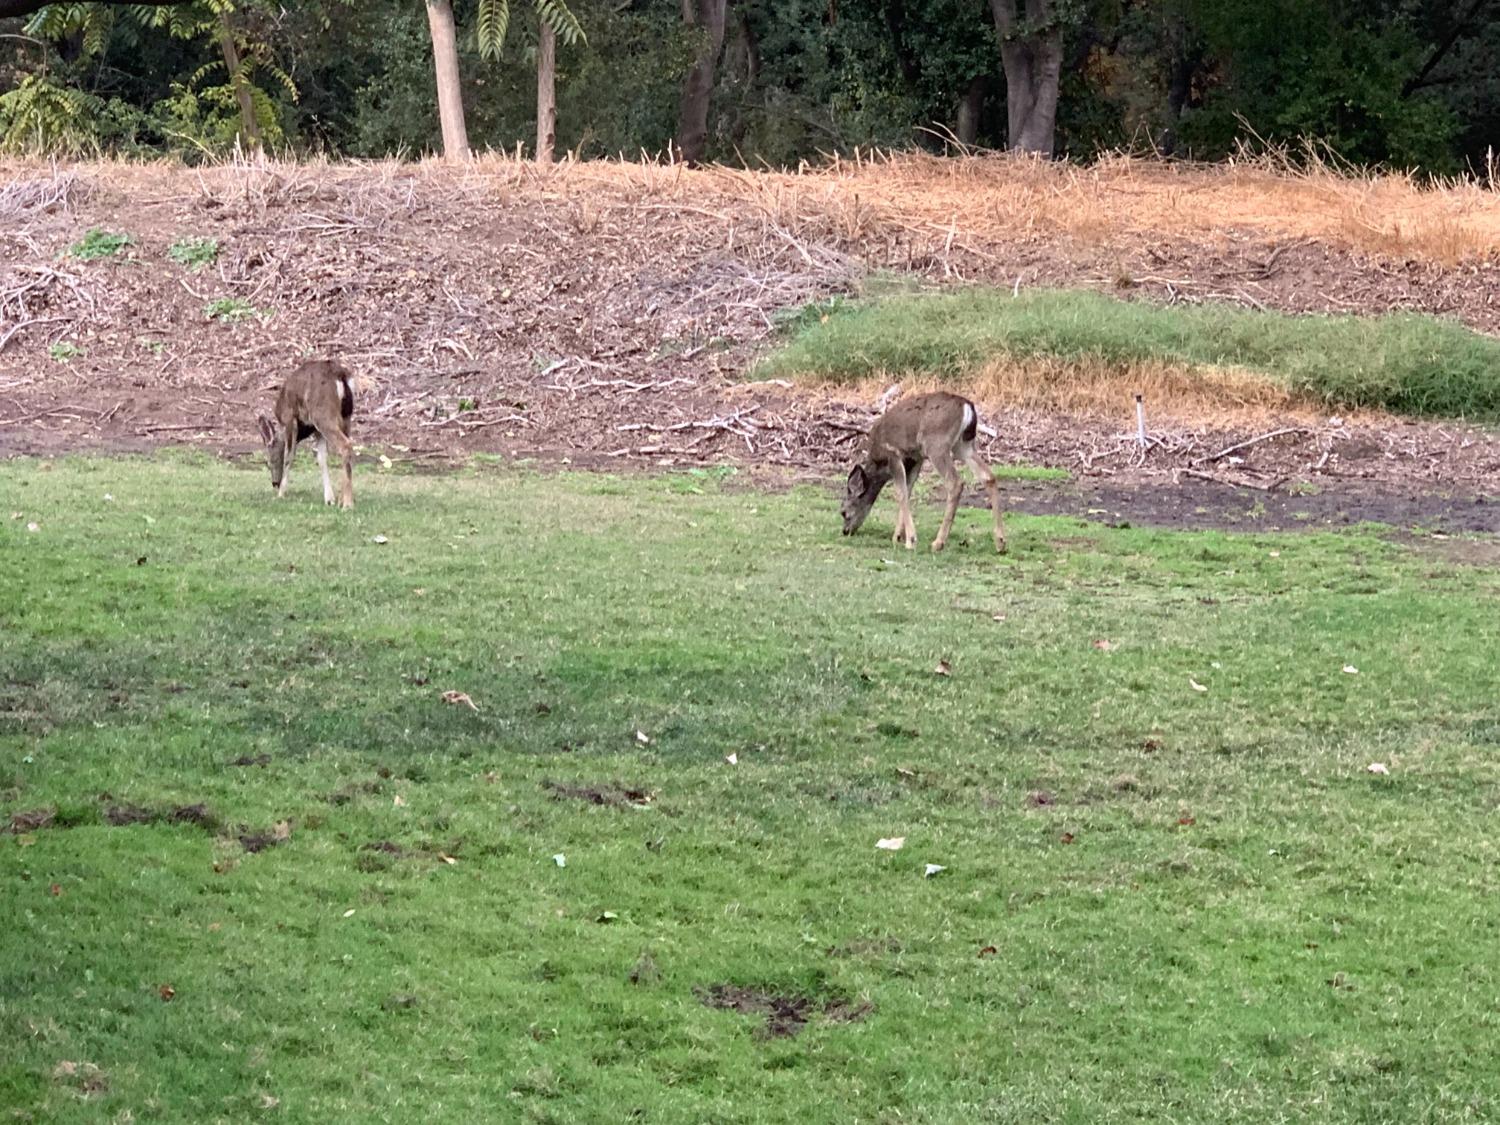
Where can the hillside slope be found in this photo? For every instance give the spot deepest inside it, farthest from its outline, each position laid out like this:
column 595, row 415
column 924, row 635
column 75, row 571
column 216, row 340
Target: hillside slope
column 610, row 311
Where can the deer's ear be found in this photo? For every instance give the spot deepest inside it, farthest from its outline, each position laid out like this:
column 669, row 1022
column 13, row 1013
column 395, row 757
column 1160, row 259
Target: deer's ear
column 267, row 431
column 857, row 479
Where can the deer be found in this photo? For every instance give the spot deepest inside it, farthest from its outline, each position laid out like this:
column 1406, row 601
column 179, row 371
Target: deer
column 937, row 427
column 317, row 398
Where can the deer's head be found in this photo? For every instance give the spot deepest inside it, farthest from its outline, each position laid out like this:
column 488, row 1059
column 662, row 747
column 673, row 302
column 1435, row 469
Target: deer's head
column 275, row 449
column 860, row 493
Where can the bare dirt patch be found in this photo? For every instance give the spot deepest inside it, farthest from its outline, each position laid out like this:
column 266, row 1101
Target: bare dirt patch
column 786, row 1014
column 606, row 315
column 620, row 796
column 31, row 820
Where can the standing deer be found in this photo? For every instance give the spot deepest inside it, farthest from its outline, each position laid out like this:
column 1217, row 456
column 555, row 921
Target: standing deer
column 317, row 398
column 938, row 427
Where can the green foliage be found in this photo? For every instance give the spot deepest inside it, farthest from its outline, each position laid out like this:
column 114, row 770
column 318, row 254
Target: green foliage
column 797, row 77
column 1407, row 363
column 195, row 253
column 64, row 351
column 231, row 310
column 1159, row 905
column 207, row 119
column 98, row 243
column 493, row 21
column 47, row 117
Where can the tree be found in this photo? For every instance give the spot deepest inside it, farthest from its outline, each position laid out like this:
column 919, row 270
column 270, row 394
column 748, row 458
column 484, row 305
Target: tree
column 554, row 20
column 546, row 93
column 698, row 87
column 1031, row 51
column 450, row 92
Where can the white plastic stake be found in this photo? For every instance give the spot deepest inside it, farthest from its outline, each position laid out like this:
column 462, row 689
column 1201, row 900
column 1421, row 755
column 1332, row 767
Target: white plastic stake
column 1140, row 419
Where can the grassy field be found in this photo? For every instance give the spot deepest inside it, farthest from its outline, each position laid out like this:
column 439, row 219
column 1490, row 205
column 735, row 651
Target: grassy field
column 1405, row 363
column 338, row 899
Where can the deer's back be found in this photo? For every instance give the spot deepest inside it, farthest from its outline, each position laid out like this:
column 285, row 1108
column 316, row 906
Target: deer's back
column 316, row 394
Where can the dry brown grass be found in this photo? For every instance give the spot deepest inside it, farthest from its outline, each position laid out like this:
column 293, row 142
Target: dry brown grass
column 940, row 203
column 1177, row 395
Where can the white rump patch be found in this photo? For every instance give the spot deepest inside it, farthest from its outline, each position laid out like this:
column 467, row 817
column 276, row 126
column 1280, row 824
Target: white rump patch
column 343, row 388
column 969, row 418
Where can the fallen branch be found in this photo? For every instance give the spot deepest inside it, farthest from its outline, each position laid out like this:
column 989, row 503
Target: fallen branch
column 1249, row 442
column 1228, row 483
column 27, row 324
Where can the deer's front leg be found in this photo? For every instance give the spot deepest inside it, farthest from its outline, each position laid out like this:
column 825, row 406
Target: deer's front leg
column 906, row 528
column 289, row 447
column 955, row 491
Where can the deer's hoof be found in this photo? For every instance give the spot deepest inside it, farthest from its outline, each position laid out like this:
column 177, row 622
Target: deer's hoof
column 937, row 545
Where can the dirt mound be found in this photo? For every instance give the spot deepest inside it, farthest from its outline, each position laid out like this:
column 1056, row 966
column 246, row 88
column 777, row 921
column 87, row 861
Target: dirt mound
column 608, row 313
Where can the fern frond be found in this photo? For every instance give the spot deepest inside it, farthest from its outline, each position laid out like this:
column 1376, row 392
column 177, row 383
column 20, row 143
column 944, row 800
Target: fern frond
column 97, row 23
column 556, row 15
column 283, row 78
column 492, row 24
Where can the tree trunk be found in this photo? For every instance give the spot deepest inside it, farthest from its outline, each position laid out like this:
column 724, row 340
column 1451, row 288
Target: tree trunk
column 970, row 104
column 692, row 114
column 1031, row 56
column 546, row 94
column 250, row 138
column 449, row 90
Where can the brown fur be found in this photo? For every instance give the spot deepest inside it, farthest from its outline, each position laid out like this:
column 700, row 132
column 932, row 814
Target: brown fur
column 937, row 427
column 317, row 398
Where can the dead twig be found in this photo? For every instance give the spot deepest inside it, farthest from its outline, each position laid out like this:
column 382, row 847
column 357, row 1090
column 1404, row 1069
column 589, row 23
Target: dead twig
column 1256, row 440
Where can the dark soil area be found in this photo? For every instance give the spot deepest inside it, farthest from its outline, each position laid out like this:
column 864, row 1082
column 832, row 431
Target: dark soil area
column 785, row 1014
column 1195, row 504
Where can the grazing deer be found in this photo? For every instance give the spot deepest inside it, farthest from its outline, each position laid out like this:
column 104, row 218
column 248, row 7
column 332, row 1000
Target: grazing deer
column 937, row 427
column 317, row 398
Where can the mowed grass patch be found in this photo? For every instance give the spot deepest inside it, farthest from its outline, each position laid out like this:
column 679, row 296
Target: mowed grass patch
column 1157, row 903
column 1066, row 343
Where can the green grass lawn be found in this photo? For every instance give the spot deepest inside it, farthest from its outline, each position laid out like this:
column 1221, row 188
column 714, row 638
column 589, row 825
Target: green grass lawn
column 1159, row 903
column 1406, row 363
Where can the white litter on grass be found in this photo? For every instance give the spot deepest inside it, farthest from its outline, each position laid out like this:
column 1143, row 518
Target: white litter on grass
column 380, row 539
column 932, row 869
column 733, row 759
column 1196, row 685
column 891, row 844
column 1378, row 767
column 643, row 738
column 1350, row 670
column 560, row 859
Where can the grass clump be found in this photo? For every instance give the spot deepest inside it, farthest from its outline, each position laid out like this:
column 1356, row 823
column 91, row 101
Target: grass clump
column 231, row 310
column 1406, row 363
column 98, row 243
column 194, row 253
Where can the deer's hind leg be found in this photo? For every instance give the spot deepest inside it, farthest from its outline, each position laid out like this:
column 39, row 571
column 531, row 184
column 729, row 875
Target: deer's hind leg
column 344, row 444
column 322, row 448
column 984, row 475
